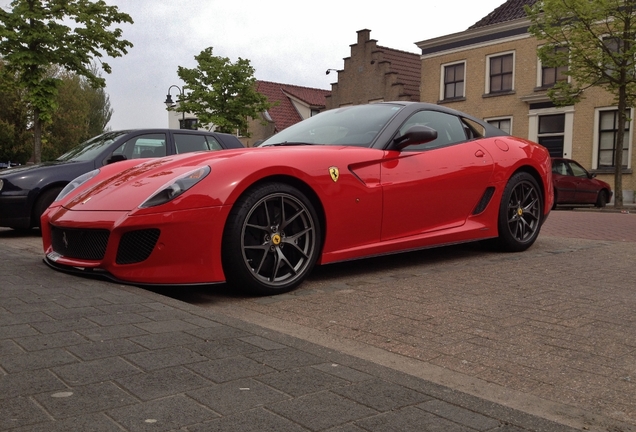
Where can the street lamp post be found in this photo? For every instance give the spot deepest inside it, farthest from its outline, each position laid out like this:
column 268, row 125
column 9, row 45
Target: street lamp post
column 170, row 104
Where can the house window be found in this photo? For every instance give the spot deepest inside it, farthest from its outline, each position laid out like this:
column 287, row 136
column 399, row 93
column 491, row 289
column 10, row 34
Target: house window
column 505, row 124
column 552, row 133
column 454, row 77
column 500, row 73
column 551, row 75
column 607, row 131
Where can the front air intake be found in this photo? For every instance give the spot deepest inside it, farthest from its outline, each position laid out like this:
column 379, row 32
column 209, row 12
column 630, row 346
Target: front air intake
column 136, row 246
column 86, row 244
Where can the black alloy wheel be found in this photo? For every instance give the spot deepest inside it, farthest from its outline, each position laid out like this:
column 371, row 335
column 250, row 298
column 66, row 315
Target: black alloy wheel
column 520, row 213
column 271, row 240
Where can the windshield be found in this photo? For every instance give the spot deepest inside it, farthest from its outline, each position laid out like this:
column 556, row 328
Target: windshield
column 88, row 150
column 350, row 126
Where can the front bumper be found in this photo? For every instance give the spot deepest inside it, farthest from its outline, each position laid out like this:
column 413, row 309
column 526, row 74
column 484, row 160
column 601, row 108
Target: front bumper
column 187, row 250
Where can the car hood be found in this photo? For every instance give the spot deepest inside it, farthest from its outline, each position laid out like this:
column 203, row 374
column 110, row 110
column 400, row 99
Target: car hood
column 24, row 169
column 128, row 188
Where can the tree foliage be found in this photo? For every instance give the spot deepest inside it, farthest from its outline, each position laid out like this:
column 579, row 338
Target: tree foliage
column 15, row 138
column 34, row 34
column 601, row 39
column 221, row 93
column 81, row 113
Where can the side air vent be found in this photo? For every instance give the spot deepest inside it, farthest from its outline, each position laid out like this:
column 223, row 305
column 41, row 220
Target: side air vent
column 485, row 199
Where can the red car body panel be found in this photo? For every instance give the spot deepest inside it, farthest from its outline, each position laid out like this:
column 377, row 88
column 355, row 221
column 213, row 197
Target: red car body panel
column 382, row 201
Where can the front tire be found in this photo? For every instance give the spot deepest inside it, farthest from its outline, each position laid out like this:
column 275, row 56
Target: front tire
column 271, row 240
column 520, row 213
column 601, row 200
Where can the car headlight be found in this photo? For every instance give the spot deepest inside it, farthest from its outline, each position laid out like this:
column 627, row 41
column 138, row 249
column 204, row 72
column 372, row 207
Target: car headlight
column 176, row 187
column 74, row 184
column 1, row 184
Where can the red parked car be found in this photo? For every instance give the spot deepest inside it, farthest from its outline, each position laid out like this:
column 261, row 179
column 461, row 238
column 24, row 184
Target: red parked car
column 573, row 185
column 349, row 183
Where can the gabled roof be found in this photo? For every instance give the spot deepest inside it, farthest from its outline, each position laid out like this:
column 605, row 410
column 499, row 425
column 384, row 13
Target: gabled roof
column 408, row 67
column 284, row 114
column 510, row 10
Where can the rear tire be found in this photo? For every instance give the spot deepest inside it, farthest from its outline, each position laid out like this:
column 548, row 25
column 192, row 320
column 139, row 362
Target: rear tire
column 271, row 240
column 520, row 213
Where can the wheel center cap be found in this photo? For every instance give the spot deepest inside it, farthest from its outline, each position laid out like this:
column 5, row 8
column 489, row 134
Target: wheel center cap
column 276, row 239
column 520, row 211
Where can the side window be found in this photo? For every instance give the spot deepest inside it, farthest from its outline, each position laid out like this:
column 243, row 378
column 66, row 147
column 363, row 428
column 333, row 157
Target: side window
column 186, row 143
column 143, row 146
column 450, row 129
column 560, row 168
column 578, row 170
column 213, row 144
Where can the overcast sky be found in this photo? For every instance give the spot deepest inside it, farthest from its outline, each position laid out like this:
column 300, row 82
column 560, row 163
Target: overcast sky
column 286, row 41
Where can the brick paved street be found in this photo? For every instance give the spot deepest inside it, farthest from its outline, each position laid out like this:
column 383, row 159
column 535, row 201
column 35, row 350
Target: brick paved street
column 550, row 332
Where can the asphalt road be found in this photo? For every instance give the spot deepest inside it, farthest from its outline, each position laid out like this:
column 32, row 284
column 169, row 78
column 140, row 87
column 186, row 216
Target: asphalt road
column 551, row 331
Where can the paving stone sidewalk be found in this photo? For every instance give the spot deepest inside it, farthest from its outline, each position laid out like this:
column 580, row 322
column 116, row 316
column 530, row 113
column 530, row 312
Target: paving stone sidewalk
column 78, row 354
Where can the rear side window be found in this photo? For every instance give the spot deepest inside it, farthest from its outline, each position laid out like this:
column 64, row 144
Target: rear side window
column 186, row 143
column 143, row 146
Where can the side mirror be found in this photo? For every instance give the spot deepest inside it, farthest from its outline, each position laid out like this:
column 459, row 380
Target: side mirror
column 415, row 135
column 115, row 158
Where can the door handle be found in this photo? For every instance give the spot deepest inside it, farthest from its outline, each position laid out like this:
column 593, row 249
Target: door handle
column 479, row 153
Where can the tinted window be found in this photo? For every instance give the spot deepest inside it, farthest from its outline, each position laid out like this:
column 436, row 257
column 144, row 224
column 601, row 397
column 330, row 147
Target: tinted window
column 186, row 143
column 143, row 146
column 450, row 129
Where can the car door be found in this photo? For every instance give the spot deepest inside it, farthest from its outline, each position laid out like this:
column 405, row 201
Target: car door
column 433, row 186
column 586, row 189
column 564, row 182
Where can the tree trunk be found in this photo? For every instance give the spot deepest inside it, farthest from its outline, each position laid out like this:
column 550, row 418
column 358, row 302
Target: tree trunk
column 620, row 139
column 37, row 136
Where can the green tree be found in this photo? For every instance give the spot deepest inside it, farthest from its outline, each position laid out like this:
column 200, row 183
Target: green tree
column 15, row 138
column 222, row 93
column 601, row 39
column 82, row 112
column 34, row 36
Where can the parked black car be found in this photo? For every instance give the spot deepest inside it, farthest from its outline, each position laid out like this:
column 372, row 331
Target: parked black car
column 26, row 191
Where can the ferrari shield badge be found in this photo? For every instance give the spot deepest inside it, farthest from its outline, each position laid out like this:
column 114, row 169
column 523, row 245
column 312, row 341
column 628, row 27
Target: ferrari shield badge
column 334, row 173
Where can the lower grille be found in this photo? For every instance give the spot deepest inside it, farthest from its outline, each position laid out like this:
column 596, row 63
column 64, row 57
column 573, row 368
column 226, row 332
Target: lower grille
column 136, row 246
column 88, row 244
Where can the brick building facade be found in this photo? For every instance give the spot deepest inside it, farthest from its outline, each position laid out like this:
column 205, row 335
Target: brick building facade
column 375, row 73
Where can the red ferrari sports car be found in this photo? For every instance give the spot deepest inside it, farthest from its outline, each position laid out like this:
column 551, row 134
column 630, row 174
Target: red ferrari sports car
column 348, row 183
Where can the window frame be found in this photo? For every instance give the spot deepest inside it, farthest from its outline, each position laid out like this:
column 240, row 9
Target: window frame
column 498, row 119
column 442, row 89
column 629, row 133
column 540, row 68
column 488, row 77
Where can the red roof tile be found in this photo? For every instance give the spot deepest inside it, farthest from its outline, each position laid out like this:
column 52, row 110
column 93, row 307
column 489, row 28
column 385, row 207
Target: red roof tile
column 284, row 114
